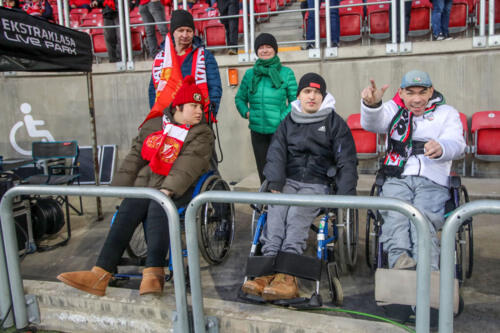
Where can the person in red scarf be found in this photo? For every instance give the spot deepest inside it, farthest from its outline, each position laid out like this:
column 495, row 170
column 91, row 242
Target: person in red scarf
column 170, row 153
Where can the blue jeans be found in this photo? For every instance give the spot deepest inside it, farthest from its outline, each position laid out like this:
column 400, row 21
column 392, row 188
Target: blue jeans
column 334, row 21
column 440, row 18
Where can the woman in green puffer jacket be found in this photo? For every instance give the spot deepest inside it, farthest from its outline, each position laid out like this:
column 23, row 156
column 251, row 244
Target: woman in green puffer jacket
column 264, row 97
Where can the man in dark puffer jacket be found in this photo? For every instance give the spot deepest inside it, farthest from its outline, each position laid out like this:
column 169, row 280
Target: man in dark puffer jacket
column 310, row 143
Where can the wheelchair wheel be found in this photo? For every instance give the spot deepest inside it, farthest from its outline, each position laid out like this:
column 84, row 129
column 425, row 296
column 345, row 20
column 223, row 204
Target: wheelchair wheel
column 469, row 247
column 215, row 224
column 336, row 293
column 351, row 229
column 137, row 247
column 372, row 238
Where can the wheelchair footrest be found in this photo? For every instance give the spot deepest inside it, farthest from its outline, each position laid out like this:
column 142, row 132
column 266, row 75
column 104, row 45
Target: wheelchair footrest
column 297, row 302
column 304, row 267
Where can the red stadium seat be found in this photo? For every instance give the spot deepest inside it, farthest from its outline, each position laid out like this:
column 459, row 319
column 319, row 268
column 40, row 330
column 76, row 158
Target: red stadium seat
column 215, row 33
column 240, row 22
column 92, row 23
column 262, row 6
column 367, row 143
column 420, row 22
column 459, row 166
column 351, row 20
column 458, row 16
column 134, row 12
column 99, row 44
column 378, row 20
column 485, row 130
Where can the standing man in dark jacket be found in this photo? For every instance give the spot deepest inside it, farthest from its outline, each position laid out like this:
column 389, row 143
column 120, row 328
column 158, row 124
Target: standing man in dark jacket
column 188, row 50
column 230, row 7
column 309, row 144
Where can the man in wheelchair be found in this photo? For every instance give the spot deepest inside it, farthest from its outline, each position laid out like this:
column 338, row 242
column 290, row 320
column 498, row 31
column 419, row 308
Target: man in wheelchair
column 424, row 136
column 311, row 141
column 175, row 150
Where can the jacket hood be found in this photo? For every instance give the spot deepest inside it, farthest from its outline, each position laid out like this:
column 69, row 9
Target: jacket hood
column 327, row 107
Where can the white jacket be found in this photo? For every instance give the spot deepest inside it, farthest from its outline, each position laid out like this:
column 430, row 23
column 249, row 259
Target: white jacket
column 443, row 125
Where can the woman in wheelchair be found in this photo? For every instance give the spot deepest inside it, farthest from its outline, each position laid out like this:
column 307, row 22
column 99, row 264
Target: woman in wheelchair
column 175, row 149
column 424, row 136
column 311, row 140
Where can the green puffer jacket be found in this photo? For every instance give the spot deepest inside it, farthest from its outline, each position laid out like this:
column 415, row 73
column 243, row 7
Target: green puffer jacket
column 192, row 162
column 268, row 106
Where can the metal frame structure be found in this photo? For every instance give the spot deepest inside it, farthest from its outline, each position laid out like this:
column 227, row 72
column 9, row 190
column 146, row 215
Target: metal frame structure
column 453, row 222
column 329, row 201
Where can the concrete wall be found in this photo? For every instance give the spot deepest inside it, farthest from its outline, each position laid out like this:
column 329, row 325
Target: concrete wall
column 467, row 77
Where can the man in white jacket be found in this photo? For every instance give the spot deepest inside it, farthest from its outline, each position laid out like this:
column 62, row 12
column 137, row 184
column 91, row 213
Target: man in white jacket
column 424, row 136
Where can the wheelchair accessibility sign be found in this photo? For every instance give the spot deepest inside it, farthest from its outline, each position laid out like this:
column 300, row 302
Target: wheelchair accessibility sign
column 32, row 128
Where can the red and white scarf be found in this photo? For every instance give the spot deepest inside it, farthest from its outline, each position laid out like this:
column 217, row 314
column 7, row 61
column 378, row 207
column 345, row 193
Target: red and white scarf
column 198, row 70
column 162, row 148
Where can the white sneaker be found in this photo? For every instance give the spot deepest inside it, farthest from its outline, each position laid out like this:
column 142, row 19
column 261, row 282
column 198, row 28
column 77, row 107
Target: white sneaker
column 405, row 262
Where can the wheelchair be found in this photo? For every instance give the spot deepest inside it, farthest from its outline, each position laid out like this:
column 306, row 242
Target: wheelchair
column 215, row 226
column 337, row 237
column 464, row 244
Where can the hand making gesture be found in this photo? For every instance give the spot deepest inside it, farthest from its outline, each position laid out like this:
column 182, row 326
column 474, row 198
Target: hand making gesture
column 371, row 95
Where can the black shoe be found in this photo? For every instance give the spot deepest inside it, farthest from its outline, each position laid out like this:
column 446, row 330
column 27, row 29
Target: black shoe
column 438, row 37
column 309, row 46
column 335, row 44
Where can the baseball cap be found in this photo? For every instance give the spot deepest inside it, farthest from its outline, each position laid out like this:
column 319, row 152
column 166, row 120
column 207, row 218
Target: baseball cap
column 416, row 78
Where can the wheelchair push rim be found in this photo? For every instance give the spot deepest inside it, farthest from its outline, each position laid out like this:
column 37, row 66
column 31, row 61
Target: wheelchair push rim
column 215, row 223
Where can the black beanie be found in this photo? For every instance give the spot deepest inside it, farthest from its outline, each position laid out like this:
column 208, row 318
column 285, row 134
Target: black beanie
column 181, row 18
column 265, row 39
column 312, row 80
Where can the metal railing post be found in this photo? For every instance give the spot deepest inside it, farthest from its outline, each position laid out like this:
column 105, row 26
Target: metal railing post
column 5, row 298
column 121, row 65
column 329, row 201
column 126, row 15
column 453, row 222
column 245, row 57
column 492, row 39
column 480, row 41
column 181, row 323
column 393, row 46
column 66, row 13
column 253, row 56
column 60, row 17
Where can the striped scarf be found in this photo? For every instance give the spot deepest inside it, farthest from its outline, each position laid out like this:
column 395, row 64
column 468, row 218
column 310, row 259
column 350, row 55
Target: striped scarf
column 400, row 142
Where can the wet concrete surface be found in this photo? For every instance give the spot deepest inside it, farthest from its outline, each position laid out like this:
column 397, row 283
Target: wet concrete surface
column 481, row 293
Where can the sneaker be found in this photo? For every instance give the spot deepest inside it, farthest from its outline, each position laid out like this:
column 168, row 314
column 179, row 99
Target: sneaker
column 438, row 37
column 405, row 262
column 309, row 46
column 448, row 37
column 232, row 52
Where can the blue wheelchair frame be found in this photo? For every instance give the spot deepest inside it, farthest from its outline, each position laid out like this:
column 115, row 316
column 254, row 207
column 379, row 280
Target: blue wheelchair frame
column 181, row 211
column 324, row 252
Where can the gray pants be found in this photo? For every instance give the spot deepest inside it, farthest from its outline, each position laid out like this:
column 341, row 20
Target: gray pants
column 151, row 12
column 287, row 227
column 399, row 235
column 112, row 39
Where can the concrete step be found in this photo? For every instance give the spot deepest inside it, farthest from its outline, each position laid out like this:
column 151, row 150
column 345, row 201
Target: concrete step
column 66, row 309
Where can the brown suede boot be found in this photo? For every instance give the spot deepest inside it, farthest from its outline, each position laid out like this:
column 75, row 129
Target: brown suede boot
column 94, row 281
column 284, row 286
column 153, row 279
column 257, row 285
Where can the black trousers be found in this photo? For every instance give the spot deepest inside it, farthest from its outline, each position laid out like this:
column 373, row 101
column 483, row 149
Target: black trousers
column 131, row 213
column 260, row 144
column 231, row 24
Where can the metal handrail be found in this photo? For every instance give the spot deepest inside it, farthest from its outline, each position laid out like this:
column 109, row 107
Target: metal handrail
column 10, row 276
column 329, row 201
column 453, row 222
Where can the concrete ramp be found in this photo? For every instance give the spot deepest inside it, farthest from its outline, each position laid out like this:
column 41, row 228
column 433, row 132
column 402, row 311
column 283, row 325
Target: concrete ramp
column 123, row 310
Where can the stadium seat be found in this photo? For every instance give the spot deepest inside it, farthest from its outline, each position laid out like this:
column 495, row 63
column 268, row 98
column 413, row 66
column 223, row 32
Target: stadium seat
column 215, row 33
column 134, row 12
column 240, row 22
column 458, row 16
column 367, row 143
column 262, row 6
column 485, row 130
column 420, row 21
column 351, row 20
column 378, row 20
column 92, row 22
column 459, row 166
column 99, row 44
column 137, row 39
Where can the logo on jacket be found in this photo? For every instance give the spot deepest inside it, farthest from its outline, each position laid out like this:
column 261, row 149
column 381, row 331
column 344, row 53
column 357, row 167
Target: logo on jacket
column 322, row 129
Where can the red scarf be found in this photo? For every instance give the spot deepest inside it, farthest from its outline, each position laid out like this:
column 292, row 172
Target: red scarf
column 198, row 70
column 162, row 148
column 167, row 79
